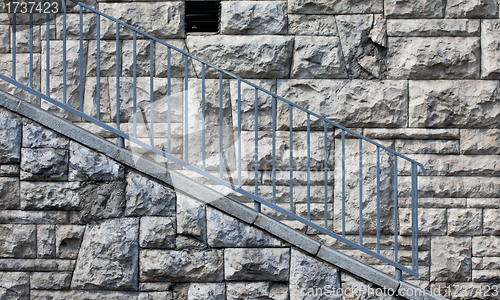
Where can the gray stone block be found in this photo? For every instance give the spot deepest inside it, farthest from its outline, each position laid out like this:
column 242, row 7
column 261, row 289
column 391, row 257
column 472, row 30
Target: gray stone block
column 10, row 137
column 50, row 195
column 68, row 240
column 15, row 285
column 336, row 7
column 480, row 141
column 86, row 164
column 147, row 197
column 324, row 25
column 266, row 264
column 37, row 136
column 416, row 9
column 488, row 246
column 44, row 164
column 157, row 232
column 50, row 281
column 191, row 217
column 462, row 9
column 490, row 49
column 17, row 241
column 9, row 193
column 451, row 258
column 257, row 290
column 33, row 217
column 433, row 27
column 46, row 241
column 253, row 17
column 212, row 291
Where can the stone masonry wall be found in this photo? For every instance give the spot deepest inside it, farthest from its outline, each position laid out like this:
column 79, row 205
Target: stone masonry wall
column 420, row 77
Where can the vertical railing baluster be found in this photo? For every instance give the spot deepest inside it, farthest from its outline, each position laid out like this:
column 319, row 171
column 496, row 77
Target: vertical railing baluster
column 343, row 183
column 169, row 113
column 186, row 101
column 64, row 52
column 14, row 29
column 396, row 215
column 291, row 156
column 121, row 141
column 361, row 192
column 414, row 205
column 274, row 148
column 31, row 50
column 308, row 167
column 151, row 90
column 220, row 124
column 47, row 54
column 256, row 204
column 81, row 58
column 134, row 83
column 326, row 174
column 239, row 132
column 378, row 200
column 203, row 111
column 98, row 68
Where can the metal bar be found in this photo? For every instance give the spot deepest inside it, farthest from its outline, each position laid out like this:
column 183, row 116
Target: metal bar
column 14, row 30
column 64, row 51
column 203, row 112
column 291, row 156
column 326, row 175
column 169, row 113
column 186, row 101
column 396, row 211
column 81, row 59
column 308, row 167
column 343, row 183
column 256, row 129
column 378, row 200
column 239, row 133
column 414, row 213
column 121, row 141
column 134, row 84
column 98, row 69
column 151, row 91
column 220, row 125
column 47, row 54
column 31, row 49
column 361, row 192
column 274, row 148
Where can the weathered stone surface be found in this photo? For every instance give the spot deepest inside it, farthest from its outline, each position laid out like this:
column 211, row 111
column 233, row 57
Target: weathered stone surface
column 452, row 187
column 191, row 217
column 143, row 48
column 253, row 17
column 33, row 217
column 162, row 20
column 90, row 104
column 491, row 222
column 37, row 136
column 430, row 221
column 89, row 28
column 155, row 296
column 100, row 201
column 9, row 170
column 184, row 242
column 46, row 241
column 351, row 103
column 257, row 290
column 68, row 240
column 417, row 9
column 157, row 232
column 451, row 259
column 212, row 291
column 324, row 25
column 271, row 264
column 412, row 133
column 22, row 76
column 50, row 281
column 14, row 285
column 335, row 7
column 177, row 64
column 107, row 55
column 480, row 141
column 307, row 272
column 318, row 57
column 246, row 56
column 146, row 197
column 44, row 164
column 10, row 137
column 50, row 195
column 486, row 246
column 490, row 49
column 108, row 258
column 433, row 27
column 427, row 147
column 437, row 165
column 483, row 203
column 485, row 275
column 17, row 241
column 490, row 263
column 5, row 39
column 226, row 231
column 471, row 9
column 470, row 104
column 23, row 36
column 86, row 164
column 183, row 266
column 9, row 193
column 355, row 289
column 154, row 286
column 433, row 58
column 464, row 221
column 37, row 265
column 87, row 295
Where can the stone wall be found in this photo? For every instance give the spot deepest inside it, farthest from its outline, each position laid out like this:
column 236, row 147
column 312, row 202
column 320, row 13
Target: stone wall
column 420, row 77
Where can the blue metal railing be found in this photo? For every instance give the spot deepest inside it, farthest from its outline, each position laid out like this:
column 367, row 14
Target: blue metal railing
column 200, row 167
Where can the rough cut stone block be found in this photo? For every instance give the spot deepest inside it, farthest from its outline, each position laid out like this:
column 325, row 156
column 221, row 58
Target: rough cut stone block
column 146, row 197
column 351, row 103
column 157, row 232
column 308, row 273
column 191, row 217
column 183, row 266
column 9, row 193
column 14, row 285
column 437, row 165
column 433, row 58
column 33, row 217
column 37, row 265
column 451, row 259
column 22, row 76
column 486, row 246
column 270, row 264
column 485, row 275
column 469, row 104
column 50, row 281
column 37, row 136
column 490, row 49
column 253, row 17
column 451, row 187
column 5, row 39
column 314, row 7
column 44, row 164
column 154, row 286
column 464, row 221
column 430, row 221
column 87, row 295
column 108, row 257
column 90, row 105
column 483, row 9
column 86, row 164
column 324, row 25
column 490, row 263
column 10, row 137
column 480, row 141
column 491, row 222
column 23, row 36
column 9, row 170
column 177, row 64
column 89, row 28
column 262, row 56
column 426, row 147
column 212, row 291
column 107, row 57
column 17, row 241
column 415, row 9
column 433, row 27
column 155, row 296
column 257, row 290
column 50, row 195
column 46, row 241
column 68, row 240
column 143, row 48
column 318, row 57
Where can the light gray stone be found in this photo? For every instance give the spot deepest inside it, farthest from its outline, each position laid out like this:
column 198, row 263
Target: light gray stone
column 50, row 195
column 14, row 285
column 9, row 193
column 433, row 27
column 9, row 170
column 183, row 266
column 452, row 187
column 335, row 7
column 416, row 9
column 107, row 56
column 46, row 241
column 485, row 276
column 491, row 222
column 486, row 246
column 256, row 264
column 464, row 221
column 86, row 164
column 155, row 296
column 89, row 28
column 437, row 165
column 50, row 281
column 68, row 240
column 490, row 49
column 90, row 105
column 480, row 141
column 162, row 20
column 37, row 265
column 37, row 136
column 257, row 290
column 157, row 232
column 253, row 17
column 355, row 289
column 23, row 36
column 22, row 76
column 483, row 9
column 412, row 133
column 177, row 64
column 451, row 259
column 17, row 241
column 431, row 221
column 143, row 48
column 185, row 242
column 490, row 263
column 87, row 295
column 433, row 58
column 10, row 137
column 208, row 291
column 108, row 257
column 5, row 39
column 470, row 104
column 427, row 147
column 351, row 103
column 154, row 286
column 308, row 273
column 191, row 217
column 324, row 25
column 33, row 217
column 146, row 197
column 44, row 164
column 226, row 231
column 318, row 57
column 261, row 56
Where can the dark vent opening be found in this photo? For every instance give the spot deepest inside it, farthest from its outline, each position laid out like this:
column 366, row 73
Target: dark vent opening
column 202, row 16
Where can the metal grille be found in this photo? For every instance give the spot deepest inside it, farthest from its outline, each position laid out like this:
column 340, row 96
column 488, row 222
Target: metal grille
column 202, row 16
